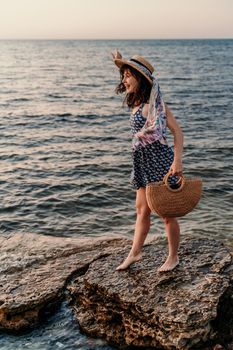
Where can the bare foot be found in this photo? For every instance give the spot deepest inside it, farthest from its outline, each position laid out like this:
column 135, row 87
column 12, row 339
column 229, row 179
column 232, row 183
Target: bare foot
column 128, row 261
column 169, row 264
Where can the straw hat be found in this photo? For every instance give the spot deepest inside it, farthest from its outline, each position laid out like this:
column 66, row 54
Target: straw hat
column 137, row 62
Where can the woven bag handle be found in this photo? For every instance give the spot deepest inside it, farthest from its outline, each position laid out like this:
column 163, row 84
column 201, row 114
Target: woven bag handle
column 182, row 180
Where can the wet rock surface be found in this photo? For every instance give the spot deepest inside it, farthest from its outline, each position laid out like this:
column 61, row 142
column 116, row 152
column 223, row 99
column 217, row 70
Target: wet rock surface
column 181, row 309
column 34, row 271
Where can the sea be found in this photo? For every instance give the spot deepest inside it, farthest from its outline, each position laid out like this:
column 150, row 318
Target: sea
column 65, row 147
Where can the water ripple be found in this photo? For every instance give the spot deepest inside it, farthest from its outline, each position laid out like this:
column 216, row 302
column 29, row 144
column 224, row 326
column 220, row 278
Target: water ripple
column 65, row 146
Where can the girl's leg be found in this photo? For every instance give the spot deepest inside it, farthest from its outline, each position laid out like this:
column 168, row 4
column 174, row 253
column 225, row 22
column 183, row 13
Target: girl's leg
column 142, row 228
column 173, row 236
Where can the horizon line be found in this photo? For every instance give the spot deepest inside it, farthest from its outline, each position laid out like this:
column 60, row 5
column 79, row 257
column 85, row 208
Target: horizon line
column 116, row 39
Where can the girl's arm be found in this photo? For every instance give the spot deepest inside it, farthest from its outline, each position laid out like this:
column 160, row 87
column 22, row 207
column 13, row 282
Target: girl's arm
column 172, row 124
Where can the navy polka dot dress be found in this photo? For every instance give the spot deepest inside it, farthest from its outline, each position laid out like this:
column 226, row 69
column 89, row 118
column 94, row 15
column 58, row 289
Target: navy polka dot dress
column 151, row 162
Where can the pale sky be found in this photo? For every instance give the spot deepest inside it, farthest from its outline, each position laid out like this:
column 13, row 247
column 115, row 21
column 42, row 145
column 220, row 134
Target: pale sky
column 115, row 19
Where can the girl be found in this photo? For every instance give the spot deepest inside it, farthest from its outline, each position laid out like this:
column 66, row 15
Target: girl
column 152, row 157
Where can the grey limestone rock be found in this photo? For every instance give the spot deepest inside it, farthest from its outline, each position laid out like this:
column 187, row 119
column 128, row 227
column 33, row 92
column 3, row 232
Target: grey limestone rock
column 34, row 270
column 179, row 309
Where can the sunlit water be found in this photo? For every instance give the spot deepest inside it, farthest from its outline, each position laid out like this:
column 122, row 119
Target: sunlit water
column 65, row 146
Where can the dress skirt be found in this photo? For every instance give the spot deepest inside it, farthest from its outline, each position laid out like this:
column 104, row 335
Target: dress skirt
column 151, row 163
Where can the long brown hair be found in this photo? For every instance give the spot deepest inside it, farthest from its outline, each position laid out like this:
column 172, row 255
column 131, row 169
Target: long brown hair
column 143, row 91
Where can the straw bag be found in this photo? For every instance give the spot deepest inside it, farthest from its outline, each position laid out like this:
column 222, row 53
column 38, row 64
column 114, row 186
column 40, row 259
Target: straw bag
column 173, row 202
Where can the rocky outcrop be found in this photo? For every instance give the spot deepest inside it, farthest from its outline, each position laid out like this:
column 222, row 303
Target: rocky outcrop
column 34, row 270
column 174, row 310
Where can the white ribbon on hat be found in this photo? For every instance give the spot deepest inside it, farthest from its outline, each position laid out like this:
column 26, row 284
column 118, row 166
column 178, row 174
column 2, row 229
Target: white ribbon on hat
column 155, row 126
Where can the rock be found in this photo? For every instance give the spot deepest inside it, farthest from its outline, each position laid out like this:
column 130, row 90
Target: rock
column 179, row 309
column 34, row 270
column 218, row 347
column 174, row 310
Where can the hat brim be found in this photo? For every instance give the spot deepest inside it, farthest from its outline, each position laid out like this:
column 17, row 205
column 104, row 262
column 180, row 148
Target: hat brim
column 120, row 62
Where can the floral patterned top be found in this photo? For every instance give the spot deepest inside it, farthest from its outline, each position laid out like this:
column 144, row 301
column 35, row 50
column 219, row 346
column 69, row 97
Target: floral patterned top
column 155, row 125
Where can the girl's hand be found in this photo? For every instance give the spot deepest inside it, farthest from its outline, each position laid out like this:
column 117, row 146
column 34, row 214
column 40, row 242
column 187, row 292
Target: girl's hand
column 116, row 55
column 176, row 167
